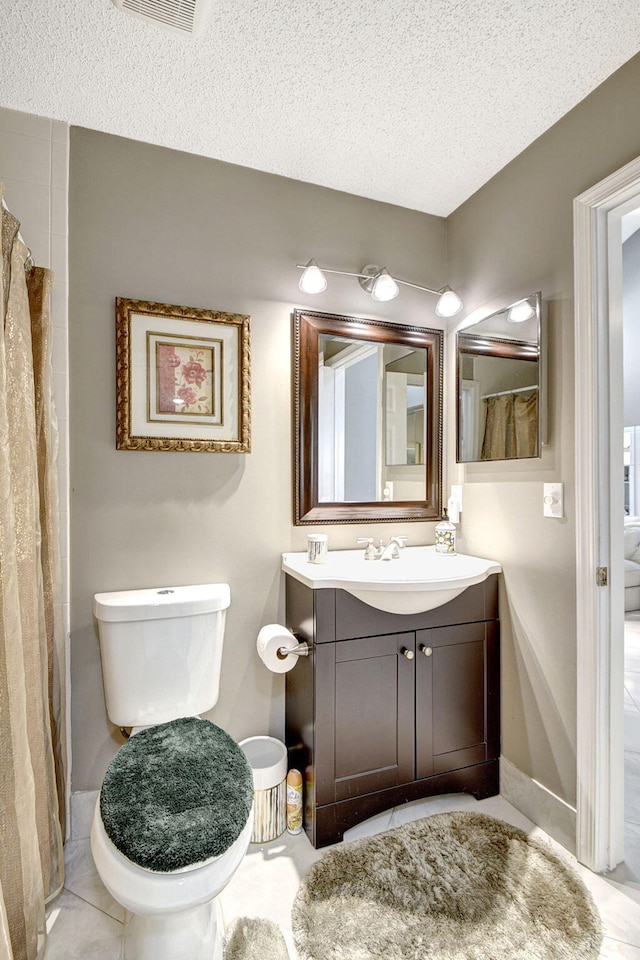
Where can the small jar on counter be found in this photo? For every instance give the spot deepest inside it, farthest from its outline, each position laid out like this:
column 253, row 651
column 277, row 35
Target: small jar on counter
column 317, row 545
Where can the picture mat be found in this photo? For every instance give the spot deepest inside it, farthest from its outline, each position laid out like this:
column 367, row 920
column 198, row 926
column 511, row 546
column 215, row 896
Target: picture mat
column 228, row 334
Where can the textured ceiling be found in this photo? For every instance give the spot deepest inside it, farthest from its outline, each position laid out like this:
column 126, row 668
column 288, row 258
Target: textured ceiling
column 414, row 102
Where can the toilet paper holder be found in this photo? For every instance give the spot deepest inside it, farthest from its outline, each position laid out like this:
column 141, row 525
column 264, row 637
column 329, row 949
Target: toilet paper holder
column 301, row 650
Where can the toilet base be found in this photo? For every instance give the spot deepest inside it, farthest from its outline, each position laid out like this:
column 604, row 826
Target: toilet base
column 193, row 934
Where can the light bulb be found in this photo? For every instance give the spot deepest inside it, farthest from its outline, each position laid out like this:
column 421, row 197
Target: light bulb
column 313, row 279
column 520, row 312
column 384, row 286
column 449, row 303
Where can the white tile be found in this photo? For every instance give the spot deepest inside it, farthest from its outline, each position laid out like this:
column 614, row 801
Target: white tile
column 632, row 731
column 24, row 158
column 417, row 809
column 632, row 788
column 28, row 124
column 61, row 391
column 60, row 131
column 60, row 349
column 29, row 202
column 59, row 211
column 59, row 303
column 59, row 257
column 632, row 685
column 39, row 242
column 64, row 534
column 369, row 828
column 83, row 804
column 615, row 950
column 266, row 882
column 81, row 932
column 620, row 913
column 501, row 809
column 60, row 164
column 81, row 878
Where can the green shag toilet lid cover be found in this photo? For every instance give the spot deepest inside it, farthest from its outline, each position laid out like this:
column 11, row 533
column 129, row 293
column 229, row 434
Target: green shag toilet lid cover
column 176, row 794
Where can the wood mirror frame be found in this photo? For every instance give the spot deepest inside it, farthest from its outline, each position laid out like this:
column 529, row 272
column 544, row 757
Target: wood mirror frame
column 308, row 326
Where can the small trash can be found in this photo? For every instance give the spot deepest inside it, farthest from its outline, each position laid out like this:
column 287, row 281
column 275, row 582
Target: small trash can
column 268, row 760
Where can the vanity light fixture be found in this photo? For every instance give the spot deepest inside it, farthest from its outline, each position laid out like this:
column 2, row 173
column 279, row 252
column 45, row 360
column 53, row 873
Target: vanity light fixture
column 520, row 311
column 379, row 283
column 313, row 279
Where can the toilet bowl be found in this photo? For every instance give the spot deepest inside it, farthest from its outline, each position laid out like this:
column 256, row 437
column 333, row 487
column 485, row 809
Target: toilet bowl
column 170, row 916
column 174, row 817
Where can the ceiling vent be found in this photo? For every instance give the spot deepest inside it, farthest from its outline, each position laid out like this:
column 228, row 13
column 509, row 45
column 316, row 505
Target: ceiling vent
column 183, row 16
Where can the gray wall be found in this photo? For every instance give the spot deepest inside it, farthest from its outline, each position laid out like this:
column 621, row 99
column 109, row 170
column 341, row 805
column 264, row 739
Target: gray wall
column 156, row 224
column 631, row 320
column 511, row 238
column 161, row 225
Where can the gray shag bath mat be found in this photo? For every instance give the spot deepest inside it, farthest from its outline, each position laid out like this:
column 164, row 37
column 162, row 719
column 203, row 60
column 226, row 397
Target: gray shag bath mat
column 176, row 794
column 455, row 886
column 255, row 939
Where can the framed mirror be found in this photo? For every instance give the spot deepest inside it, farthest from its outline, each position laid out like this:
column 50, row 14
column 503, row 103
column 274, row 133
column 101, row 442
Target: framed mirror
column 367, row 420
column 500, row 380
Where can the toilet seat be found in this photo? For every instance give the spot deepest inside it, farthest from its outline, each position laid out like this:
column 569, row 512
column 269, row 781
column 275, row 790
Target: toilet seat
column 176, row 796
column 146, row 892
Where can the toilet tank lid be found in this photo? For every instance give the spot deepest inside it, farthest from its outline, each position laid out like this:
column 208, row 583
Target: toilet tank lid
column 159, row 603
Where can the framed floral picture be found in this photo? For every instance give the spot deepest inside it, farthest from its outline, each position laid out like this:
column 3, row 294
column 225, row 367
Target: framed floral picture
column 182, row 378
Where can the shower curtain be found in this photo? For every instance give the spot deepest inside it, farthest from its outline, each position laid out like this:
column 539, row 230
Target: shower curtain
column 511, row 427
column 32, row 737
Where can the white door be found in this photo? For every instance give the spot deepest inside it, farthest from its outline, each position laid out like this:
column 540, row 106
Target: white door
column 599, row 512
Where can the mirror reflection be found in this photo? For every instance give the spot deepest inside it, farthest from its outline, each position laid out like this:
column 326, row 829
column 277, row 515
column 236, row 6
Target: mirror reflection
column 367, row 393
column 499, row 385
column 368, row 415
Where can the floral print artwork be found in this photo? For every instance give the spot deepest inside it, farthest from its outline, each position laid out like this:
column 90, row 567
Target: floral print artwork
column 185, row 379
column 182, row 378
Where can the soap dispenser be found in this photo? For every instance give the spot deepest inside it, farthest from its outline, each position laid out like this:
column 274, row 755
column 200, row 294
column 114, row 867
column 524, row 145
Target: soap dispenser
column 446, row 536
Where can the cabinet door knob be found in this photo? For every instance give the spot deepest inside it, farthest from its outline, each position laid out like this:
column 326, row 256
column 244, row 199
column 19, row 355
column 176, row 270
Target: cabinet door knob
column 426, row 650
column 407, row 653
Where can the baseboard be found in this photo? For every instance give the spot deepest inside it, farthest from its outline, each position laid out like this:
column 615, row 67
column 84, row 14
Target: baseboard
column 83, row 803
column 539, row 804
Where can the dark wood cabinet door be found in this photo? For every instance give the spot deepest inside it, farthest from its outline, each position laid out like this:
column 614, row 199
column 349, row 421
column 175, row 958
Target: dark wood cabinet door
column 365, row 708
column 454, row 677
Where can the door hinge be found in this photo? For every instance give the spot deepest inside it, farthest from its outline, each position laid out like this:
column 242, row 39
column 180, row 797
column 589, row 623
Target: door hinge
column 602, row 574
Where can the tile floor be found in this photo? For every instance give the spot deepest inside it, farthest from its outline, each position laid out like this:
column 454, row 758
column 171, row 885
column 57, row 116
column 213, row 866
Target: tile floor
column 86, row 924
column 629, row 871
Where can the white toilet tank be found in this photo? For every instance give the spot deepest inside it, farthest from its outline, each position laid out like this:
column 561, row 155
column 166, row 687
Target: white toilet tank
column 161, row 651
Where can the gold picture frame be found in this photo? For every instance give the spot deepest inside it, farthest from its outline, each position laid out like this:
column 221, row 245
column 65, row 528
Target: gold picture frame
column 182, row 378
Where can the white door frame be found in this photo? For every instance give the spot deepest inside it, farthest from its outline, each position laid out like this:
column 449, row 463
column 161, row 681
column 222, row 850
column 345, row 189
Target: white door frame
column 599, row 512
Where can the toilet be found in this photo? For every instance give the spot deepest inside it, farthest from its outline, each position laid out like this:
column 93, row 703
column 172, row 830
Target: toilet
column 174, row 816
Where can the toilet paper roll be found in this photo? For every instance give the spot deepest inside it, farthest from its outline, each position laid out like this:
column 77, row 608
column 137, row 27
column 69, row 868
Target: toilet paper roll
column 270, row 638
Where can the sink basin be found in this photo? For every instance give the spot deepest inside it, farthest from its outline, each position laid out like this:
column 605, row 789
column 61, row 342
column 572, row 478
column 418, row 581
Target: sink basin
column 419, row 580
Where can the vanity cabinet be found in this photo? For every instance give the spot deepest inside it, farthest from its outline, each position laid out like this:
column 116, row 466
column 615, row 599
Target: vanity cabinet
column 389, row 708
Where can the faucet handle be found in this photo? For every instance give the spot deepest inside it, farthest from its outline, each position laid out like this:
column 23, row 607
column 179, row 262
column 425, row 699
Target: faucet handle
column 370, row 552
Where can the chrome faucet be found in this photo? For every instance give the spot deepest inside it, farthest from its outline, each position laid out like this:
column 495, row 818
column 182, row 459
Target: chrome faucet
column 381, row 552
column 370, row 552
column 393, row 548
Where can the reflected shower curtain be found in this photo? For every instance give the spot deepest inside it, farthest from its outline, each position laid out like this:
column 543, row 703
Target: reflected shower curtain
column 511, row 427
column 31, row 645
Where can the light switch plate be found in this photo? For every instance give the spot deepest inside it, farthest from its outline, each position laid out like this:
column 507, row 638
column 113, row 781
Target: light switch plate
column 456, row 491
column 553, row 500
